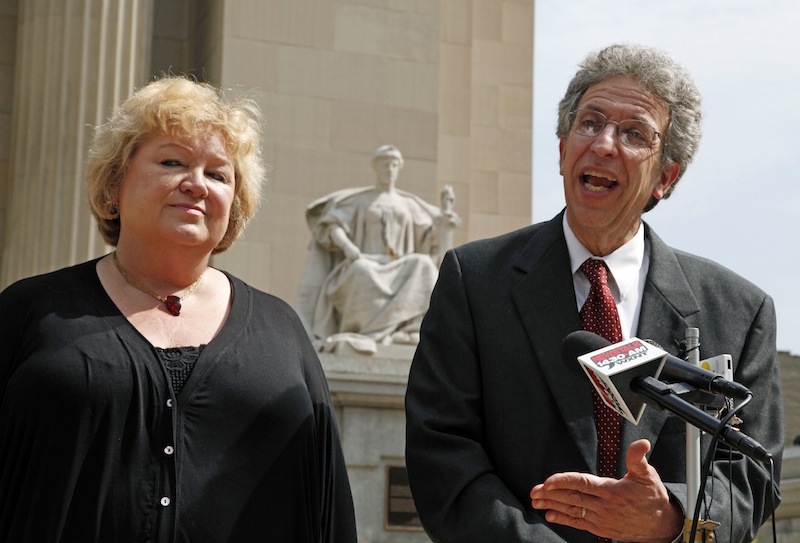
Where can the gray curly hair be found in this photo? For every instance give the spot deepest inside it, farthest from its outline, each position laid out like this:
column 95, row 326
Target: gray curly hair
column 661, row 75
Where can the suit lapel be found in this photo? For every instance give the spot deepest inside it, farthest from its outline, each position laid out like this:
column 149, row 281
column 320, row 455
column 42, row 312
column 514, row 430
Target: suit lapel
column 668, row 305
column 545, row 300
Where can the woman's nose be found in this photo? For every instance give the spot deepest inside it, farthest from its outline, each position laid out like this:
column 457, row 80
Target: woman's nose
column 196, row 182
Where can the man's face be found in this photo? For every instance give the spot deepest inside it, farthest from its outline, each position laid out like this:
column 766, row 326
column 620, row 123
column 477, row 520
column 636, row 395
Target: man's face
column 607, row 184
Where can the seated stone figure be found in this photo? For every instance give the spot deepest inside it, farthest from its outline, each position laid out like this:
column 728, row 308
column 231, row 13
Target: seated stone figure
column 373, row 261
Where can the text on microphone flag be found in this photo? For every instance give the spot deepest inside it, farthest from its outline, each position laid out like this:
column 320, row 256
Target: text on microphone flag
column 620, row 354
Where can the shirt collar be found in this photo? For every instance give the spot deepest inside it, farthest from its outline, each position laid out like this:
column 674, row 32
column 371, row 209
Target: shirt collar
column 624, row 264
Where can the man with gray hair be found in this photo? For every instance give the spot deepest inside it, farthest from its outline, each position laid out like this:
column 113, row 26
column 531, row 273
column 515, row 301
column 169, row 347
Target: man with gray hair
column 507, row 442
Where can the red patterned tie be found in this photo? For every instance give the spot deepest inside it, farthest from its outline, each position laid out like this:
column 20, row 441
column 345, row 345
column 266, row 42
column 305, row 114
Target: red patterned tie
column 599, row 315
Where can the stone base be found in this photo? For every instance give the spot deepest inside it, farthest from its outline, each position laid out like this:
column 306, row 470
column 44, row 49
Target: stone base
column 369, row 392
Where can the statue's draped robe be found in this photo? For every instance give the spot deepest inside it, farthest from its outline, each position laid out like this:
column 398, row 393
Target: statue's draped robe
column 388, row 288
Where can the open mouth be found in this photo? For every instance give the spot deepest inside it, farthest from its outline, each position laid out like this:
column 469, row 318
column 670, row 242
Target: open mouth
column 597, row 182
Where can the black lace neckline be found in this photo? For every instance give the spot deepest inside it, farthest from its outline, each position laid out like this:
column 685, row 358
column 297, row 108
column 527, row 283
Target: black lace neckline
column 179, row 362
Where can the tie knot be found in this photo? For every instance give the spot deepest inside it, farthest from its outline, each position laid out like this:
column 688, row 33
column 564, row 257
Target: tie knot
column 595, row 271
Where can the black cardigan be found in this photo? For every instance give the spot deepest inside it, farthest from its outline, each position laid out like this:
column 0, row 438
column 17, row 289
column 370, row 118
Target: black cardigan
column 94, row 447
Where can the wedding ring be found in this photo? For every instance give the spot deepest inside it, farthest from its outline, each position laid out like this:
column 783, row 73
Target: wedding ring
column 583, row 513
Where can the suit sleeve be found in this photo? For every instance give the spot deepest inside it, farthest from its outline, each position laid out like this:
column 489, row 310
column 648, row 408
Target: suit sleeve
column 739, row 490
column 458, row 495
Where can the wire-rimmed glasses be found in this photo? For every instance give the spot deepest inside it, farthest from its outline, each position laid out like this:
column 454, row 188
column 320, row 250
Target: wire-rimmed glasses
column 632, row 133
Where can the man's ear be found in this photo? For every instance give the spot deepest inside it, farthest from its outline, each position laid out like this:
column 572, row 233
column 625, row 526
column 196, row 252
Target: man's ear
column 561, row 147
column 669, row 174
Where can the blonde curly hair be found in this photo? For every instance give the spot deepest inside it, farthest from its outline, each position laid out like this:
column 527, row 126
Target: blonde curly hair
column 183, row 108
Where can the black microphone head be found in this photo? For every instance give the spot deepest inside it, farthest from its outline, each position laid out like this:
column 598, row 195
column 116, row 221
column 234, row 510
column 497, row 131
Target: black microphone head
column 579, row 343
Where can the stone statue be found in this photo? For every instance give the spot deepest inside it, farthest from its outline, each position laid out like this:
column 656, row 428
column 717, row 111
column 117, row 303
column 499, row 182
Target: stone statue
column 373, row 261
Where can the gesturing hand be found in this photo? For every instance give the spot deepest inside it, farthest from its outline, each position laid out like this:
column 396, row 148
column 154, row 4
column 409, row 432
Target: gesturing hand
column 634, row 508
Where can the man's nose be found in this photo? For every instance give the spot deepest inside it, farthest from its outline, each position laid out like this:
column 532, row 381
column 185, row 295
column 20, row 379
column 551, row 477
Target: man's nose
column 607, row 141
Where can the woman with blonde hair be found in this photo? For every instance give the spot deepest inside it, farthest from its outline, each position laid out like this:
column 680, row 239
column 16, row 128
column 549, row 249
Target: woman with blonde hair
column 147, row 396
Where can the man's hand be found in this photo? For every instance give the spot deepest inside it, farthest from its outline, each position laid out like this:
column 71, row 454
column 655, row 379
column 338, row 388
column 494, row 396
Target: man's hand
column 634, row 508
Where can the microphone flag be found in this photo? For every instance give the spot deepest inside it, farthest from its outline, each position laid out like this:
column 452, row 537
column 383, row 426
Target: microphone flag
column 612, row 368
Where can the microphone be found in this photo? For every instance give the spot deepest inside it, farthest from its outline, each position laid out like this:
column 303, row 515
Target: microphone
column 612, row 368
column 623, row 375
column 643, row 361
column 679, row 371
column 662, row 396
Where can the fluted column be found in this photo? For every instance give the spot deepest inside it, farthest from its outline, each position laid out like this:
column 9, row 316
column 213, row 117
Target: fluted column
column 75, row 60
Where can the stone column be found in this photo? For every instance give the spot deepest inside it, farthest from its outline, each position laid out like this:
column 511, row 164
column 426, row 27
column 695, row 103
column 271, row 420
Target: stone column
column 75, row 60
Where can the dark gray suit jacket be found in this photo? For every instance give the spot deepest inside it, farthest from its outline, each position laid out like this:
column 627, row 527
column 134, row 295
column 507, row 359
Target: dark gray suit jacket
column 493, row 409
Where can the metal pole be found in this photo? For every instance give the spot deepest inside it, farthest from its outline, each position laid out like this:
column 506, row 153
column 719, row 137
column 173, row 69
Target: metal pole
column 693, row 460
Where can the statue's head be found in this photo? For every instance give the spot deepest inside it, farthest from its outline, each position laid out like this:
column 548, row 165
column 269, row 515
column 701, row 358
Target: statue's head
column 387, row 151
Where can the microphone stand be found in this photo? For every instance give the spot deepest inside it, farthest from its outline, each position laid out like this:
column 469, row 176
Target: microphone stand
column 705, row 528
column 667, row 397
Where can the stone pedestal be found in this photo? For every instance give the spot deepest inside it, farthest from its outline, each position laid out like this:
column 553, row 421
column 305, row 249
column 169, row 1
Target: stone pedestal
column 368, row 392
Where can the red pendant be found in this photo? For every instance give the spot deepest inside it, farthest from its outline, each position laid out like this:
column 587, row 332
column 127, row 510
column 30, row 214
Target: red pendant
column 173, row 304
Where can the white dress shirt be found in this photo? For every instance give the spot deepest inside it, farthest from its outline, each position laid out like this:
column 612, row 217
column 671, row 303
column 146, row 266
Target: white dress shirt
column 627, row 268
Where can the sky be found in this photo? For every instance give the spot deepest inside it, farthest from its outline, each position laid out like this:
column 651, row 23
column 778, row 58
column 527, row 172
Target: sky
column 738, row 202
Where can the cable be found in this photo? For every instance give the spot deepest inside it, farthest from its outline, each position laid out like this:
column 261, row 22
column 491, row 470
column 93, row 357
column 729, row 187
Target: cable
column 705, row 470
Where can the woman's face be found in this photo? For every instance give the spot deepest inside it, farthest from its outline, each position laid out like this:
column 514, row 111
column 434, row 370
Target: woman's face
column 177, row 191
column 388, row 169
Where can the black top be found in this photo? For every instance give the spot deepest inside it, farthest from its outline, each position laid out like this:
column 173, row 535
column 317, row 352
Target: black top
column 95, row 447
column 178, row 361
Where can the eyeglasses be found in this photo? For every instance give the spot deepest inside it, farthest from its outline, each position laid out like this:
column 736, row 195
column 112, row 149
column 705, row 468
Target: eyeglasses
column 632, row 133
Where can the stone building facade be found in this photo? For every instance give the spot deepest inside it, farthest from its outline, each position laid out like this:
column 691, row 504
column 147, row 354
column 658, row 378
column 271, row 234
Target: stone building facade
column 447, row 81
